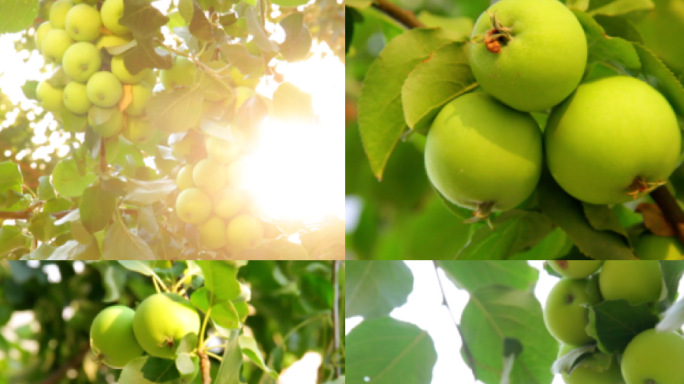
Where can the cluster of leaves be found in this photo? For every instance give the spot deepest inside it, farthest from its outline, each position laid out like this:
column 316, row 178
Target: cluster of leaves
column 104, row 200
column 291, row 301
column 392, row 108
column 502, row 326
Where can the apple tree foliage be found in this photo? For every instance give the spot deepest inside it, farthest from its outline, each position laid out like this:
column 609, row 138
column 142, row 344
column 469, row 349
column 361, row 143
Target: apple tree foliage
column 403, row 68
column 112, row 195
column 502, row 327
column 258, row 318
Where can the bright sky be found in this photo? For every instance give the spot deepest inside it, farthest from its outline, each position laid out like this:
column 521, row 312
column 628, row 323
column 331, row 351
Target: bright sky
column 297, row 171
column 424, row 308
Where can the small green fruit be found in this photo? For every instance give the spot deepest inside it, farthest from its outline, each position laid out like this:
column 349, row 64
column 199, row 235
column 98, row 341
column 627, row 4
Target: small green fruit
column 138, row 130
column 635, row 281
column 586, row 375
column 244, row 232
column 229, row 202
column 121, row 72
column 564, row 316
column 107, row 122
column 575, row 269
column 76, row 98
column 104, row 89
column 51, row 98
column 55, row 43
column 193, row 206
column 652, row 247
column 58, row 13
column 83, row 23
column 40, row 34
column 112, row 338
column 184, row 178
column 212, row 233
column 111, row 12
column 141, row 93
column 81, row 61
column 654, row 357
column 209, row 175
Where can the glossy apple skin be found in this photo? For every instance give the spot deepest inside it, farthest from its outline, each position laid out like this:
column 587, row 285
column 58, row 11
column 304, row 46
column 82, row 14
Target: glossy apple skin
column 83, row 23
column 564, row 316
column 112, row 338
column 585, row 375
column 609, row 132
column 541, row 65
column 652, row 247
column 575, row 269
column 76, row 98
column 104, row 89
column 81, row 61
column 635, row 281
column 479, row 150
column 654, row 357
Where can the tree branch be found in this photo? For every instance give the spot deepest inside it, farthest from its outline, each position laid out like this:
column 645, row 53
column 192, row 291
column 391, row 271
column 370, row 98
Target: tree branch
column 27, row 214
column 71, row 364
column 466, row 350
column 336, row 314
column 403, row 16
column 671, row 209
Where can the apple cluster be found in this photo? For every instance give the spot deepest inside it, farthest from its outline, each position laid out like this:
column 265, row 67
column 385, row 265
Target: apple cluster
column 650, row 357
column 73, row 38
column 120, row 334
column 211, row 192
column 606, row 140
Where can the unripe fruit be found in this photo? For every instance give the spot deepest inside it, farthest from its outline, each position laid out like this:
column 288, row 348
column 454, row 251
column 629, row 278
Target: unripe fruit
column 612, row 140
column 76, row 98
column 575, row 269
column 121, row 72
column 104, row 89
column 193, row 206
column 229, row 202
column 483, row 155
column 209, row 175
column 107, row 122
column 212, row 233
column 138, row 130
column 83, row 23
column 55, row 43
column 538, row 58
column 81, row 61
column 635, row 281
column 585, row 375
column 244, row 232
column 42, row 30
column 51, row 98
column 184, row 178
column 112, row 338
column 141, row 93
column 654, row 357
column 161, row 321
column 564, row 316
column 224, row 151
column 112, row 11
column 652, row 247
column 107, row 41
column 58, row 13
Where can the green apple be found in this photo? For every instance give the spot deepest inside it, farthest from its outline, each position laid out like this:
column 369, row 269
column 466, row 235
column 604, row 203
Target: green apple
column 141, row 93
column 224, row 151
column 613, row 139
column 483, row 155
column 138, row 130
column 564, row 316
column 586, row 375
column 209, row 175
column 108, row 41
column 634, row 281
column 58, row 13
column 112, row 338
column 112, row 11
column 529, row 54
column 55, row 43
column 107, row 122
column 654, row 358
column 182, row 74
column 212, row 233
column 575, row 269
column 229, row 202
column 184, row 178
column 76, row 98
column 121, row 72
column 244, row 232
column 51, row 98
column 161, row 321
column 40, row 34
column 104, row 89
column 83, row 23
column 81, row 61
column 193, row 206
column 652, row 247
column 151, row 79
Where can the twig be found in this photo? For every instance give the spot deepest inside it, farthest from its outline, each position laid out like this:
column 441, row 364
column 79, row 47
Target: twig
column 197, row 61
column 671, row 209
column 27, row 214
column 336, row 314
column 471, row 360
column 71, row 364
column 205, row 367
column 401, row 15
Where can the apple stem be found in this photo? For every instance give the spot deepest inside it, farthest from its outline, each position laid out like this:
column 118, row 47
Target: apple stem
column 483, row 212
column 497, row 37
column 640, row 186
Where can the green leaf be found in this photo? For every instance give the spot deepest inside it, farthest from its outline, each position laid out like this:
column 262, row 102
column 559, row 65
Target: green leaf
column 148, row 192
column 444, row 76
column 514, row 231
column 602, row 218
column 12, row 238
column 45, row 190
column 554, row 246
column 121, row 244
column 602, row 48
column 496, row 315
column 176, row 110
column 298, row 41
column 456, row 28
column 473, row 275
column 73, row 250
column 96, row 207
column 10, row 177
column 661, row 78
column 260, row 37
column 617, row 321
column 291, row 104
column 250, row 349
column 375, row 288
column 381, row 116
column 17, row 15
column 220, row 278
column 619, row 7
column 68, row 181
column 620, row 27
column 568, row 213
column 42, row 226
column 229, row 372
column 389, row 351
column 150, row 370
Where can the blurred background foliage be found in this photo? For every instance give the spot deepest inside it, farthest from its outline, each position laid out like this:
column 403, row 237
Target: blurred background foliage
column 400, row 217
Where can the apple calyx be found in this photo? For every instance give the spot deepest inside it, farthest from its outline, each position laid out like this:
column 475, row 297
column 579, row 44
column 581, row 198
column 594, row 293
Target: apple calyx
column 495, row 38
column 641, row 187
column 483, row 212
